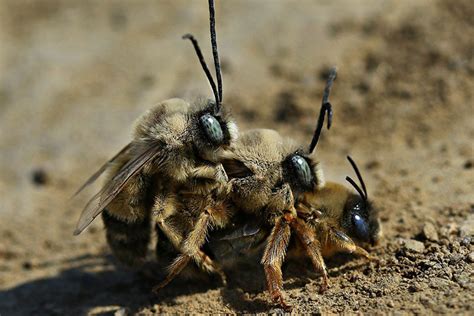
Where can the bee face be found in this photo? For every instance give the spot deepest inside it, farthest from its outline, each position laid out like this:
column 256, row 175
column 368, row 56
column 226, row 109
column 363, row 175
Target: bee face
column 359, row 220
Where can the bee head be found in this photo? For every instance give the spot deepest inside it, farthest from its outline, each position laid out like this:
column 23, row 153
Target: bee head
column 301, row 171
column 359, row 218
column 215, row 130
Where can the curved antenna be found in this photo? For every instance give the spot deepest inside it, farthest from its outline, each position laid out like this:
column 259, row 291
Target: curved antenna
column 349, row 179
column 326, row 107
column 359, row 176
column 203, row 64
column 217, row 64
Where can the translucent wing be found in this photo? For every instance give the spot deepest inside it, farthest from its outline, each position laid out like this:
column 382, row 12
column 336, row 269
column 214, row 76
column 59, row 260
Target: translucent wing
column 248, row 229
column 235, row 168
column 144, row 154
column 99, row 172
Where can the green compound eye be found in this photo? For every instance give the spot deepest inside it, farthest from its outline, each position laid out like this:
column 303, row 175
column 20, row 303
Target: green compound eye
column 302, row 170
column 212, row 128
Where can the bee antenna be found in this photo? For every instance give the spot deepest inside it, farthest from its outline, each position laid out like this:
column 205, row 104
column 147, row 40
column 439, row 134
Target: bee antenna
column 215, row 54
column 359, row 176
column 203, row 64
column 326, row 107
column 349, row 179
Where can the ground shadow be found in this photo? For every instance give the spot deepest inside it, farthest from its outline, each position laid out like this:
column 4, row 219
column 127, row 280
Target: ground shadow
column 249, row 278
column 89, row 283
column 92, row 281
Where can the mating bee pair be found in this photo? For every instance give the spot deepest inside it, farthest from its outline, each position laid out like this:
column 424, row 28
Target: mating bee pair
column 187, row 171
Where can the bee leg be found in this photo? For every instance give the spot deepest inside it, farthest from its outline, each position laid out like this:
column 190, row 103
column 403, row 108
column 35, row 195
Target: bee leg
column 312, row 248
column 197, row 237
column 191, row 250
column 346, row 244
column 362, row 252
column 174, row 269
column 211, row 172
column 206, row 263
column 282, row 199
column 273, row 258
column 170, row 232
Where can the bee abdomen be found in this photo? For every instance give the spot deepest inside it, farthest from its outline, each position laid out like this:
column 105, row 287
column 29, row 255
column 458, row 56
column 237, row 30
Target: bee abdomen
column 128, row 241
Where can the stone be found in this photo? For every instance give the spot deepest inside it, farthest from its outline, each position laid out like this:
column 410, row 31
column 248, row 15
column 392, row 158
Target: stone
column 414, row 245
column 429, row 231
column 467, row 227
column 122, row 312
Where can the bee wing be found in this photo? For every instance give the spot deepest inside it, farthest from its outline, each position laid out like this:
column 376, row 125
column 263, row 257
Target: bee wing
column 236, row 168
column 112, row 188
column 248, row 229
column 99, row 172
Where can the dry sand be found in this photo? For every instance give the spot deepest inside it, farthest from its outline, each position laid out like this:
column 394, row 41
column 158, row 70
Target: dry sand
column 75, row 75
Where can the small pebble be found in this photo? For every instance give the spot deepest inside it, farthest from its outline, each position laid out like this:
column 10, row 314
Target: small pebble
column 467, row 228
column 414, row 245
column 415, row 287
column 470, row 257
column 121, row 312
column 27, row 265
column 430, row 233
column 466, row 241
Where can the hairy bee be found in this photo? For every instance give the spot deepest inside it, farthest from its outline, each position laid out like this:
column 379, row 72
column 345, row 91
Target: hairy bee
column 343, row 220
column 330, row 219
column 268, row 174
column 175, row 152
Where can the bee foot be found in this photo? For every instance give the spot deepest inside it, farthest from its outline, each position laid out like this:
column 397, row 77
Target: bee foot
column 156, row 289
column 278, row 298
column 325, row 286
column 224, row 280
column 161, row 285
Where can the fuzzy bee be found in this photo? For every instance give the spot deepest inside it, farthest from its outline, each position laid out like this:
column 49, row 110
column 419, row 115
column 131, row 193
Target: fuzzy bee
column 343, row 220
column 330, row 219
column 268, row 174
column 175, row 150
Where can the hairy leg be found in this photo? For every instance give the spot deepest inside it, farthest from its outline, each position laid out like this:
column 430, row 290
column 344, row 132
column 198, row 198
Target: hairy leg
column 345, row 244
column 312, row 248
column 190, row 248
column 272, row 260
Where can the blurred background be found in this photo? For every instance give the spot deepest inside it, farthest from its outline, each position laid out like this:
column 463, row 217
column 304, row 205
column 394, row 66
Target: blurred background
column 74, row 75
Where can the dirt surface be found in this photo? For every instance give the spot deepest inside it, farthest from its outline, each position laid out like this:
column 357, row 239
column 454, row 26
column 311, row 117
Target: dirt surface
column 75, row 75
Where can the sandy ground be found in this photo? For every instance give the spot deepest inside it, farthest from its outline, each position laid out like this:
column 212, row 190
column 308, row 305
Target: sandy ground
column 75, row 75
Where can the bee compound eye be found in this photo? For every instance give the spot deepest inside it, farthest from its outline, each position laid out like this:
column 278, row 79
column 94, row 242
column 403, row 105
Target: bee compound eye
column 360, row 226
column 212, row 128
column 302, row 170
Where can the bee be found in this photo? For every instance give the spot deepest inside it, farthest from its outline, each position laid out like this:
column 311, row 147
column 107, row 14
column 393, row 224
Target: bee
column 343, row 220
column 268, row 174
column 330, row 219
column 266, row 171
column 175, row 150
